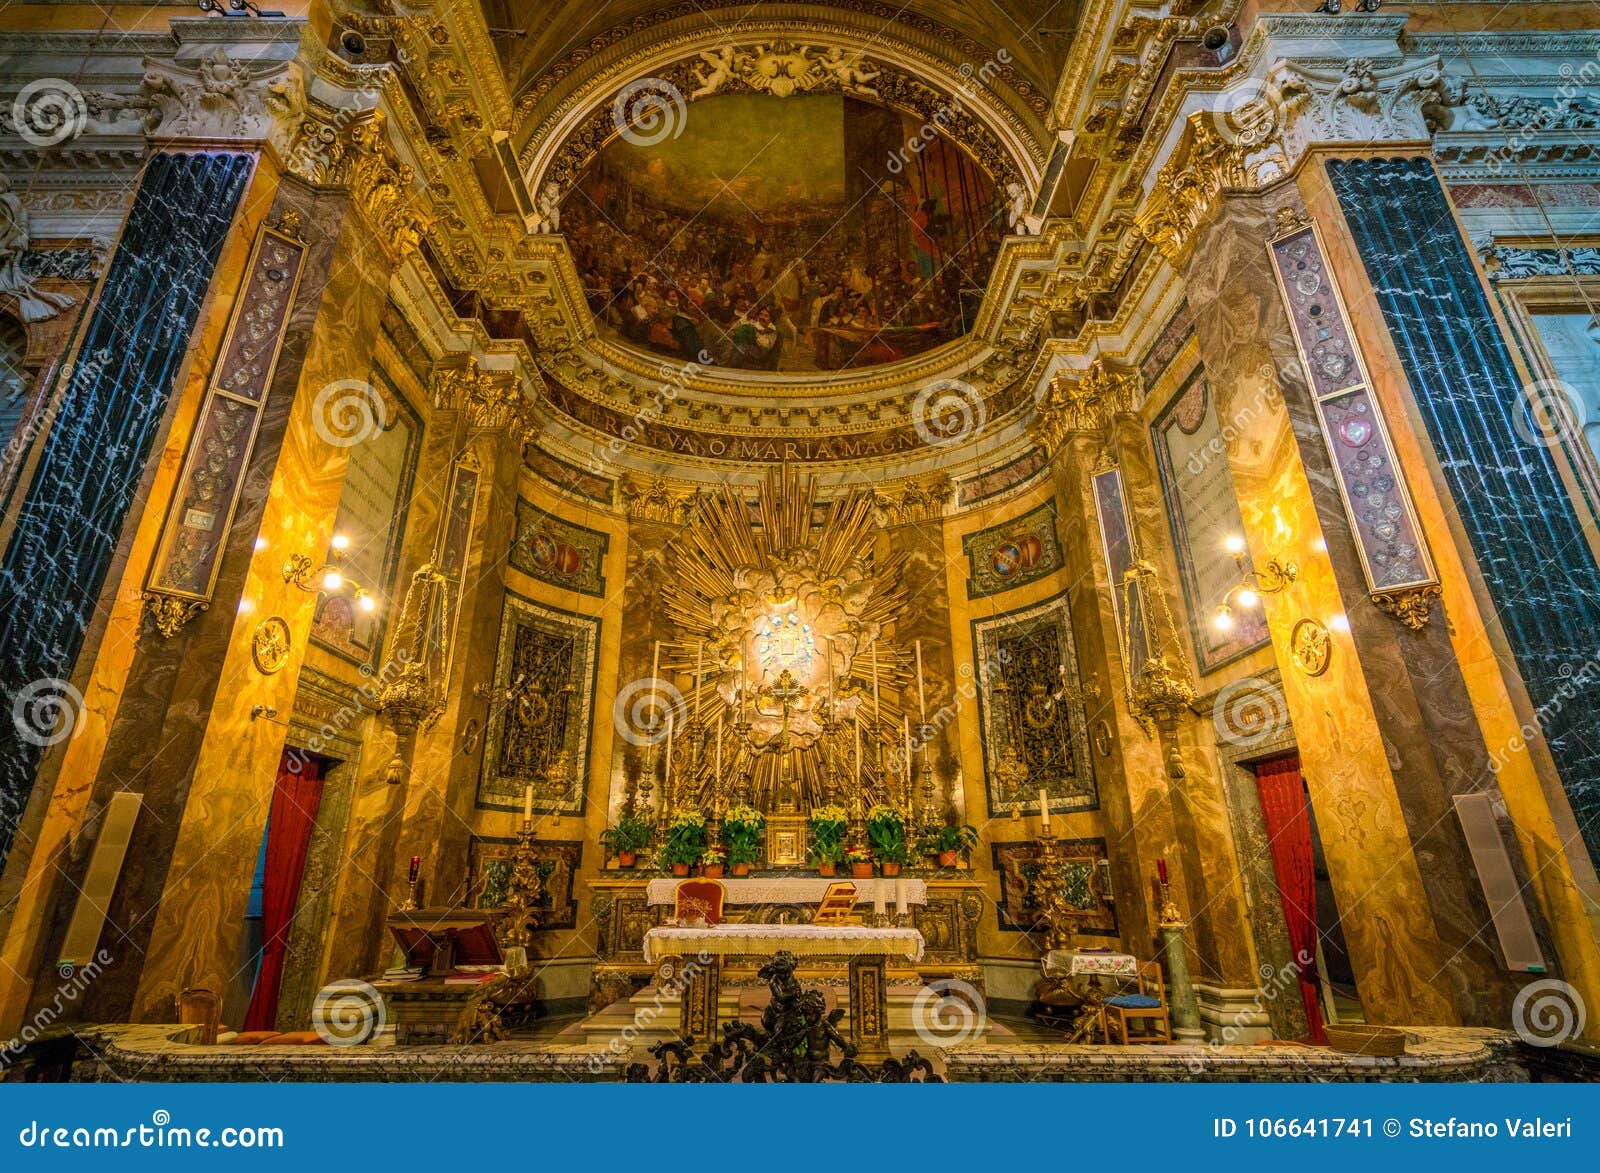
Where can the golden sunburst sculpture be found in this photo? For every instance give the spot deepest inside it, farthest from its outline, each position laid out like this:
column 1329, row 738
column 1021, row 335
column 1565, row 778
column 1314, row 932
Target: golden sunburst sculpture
column 781, row 619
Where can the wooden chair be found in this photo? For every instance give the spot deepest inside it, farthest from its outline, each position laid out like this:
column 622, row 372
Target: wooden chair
column 699, row 899
column 1148, row 1006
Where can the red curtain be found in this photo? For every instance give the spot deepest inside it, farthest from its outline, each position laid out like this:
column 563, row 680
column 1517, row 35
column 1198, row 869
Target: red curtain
column 295, row 799
column 1287, row 809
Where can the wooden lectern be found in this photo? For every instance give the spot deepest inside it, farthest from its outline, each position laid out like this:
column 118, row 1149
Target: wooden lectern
column 445, row 1004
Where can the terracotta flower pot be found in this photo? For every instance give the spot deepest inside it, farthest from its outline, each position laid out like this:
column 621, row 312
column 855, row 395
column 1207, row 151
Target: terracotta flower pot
column 626, row 859
column 891, row 869
column 825, row 869
column 947, row 859
column 741, row 869
column 861, row 871
column 680, row 869
column 711, row 871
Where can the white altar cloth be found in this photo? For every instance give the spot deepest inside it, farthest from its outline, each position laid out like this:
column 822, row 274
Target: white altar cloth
column 793, row 890
column 801, row 940
column 1077, row 962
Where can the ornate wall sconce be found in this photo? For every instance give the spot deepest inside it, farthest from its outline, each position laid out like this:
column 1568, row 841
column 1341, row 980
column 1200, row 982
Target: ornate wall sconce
column 1269, row 580
column 330, row 577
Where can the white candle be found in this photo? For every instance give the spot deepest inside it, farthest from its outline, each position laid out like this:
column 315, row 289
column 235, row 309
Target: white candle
column 655, row 662
column 858, row 750
column 527, row 804
column 877, row 896
column 900, row 895
column 669, row 751
column 877, row 708
column 907, row 721
column 1044, row 807
column 830, row 678
column 922, row 700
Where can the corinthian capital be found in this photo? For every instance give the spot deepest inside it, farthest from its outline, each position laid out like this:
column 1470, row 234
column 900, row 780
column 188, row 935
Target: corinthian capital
column 1082, row 403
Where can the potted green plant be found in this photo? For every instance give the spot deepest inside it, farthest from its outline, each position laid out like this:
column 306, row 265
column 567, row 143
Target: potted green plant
column 860, row 861
column 948, row 843
column 626, row 838
column 886, row 832
column 685, row 842
column 742, row 827
column 827, row 824
column 711, row 861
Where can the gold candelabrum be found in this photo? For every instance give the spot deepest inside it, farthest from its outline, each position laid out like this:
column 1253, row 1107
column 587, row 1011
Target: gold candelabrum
column 1062, row 918
column 524, row 895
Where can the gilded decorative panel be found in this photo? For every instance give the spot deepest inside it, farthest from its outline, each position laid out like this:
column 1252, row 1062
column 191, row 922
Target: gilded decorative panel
column 489, row 866
column 1203, row 511
column 1012, row 554
column 558, row 552
column 541, row 709
column 1018, row 865
column 1027, row 665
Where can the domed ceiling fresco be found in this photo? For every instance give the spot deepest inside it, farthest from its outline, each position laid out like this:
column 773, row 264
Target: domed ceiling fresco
column 812, row 232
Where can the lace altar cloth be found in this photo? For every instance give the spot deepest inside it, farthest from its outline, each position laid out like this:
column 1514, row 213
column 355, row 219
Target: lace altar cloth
column 796, row 890
column 801, row 940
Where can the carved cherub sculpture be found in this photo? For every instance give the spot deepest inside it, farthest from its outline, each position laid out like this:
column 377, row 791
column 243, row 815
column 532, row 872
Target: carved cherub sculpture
column 850, row 71
column 721, row 62
column 1017, row 209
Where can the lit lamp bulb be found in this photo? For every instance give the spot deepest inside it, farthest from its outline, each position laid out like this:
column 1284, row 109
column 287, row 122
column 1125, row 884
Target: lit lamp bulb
column 1235, row 544
column 332, row 581
column 366, row 602
column 340, row 543
column 1224, row 619
column 262, row 543
column 1247, row 597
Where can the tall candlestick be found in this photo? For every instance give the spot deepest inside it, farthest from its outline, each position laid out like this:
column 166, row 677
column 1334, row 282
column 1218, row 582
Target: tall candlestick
column 858, row 750
column 907, row 721
column 527, row 803
column 416, row 864
column 1044, row 807
column 655, row 662
column 830, row 678
column 922, row 700
column 877, row 896
column 668, row 781
column 699, row 663
column 877, row 707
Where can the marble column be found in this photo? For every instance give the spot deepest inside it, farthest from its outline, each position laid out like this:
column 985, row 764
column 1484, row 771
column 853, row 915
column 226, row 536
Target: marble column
column 1371, row 737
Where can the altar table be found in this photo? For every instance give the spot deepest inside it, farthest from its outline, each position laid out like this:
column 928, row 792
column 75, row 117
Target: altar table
column 796, row 890
column 867, row 950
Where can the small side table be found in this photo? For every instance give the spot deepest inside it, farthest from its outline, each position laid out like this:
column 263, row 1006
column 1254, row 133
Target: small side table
column 1065, row 967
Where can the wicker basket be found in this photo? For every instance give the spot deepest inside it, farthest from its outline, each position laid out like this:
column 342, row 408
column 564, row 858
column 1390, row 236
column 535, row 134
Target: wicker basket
column 1378, row 1041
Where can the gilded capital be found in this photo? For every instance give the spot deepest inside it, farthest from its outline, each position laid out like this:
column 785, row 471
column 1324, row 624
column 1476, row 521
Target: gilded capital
column 1083, row 403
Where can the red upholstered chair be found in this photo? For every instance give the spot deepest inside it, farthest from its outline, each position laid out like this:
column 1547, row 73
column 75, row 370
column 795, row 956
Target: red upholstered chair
column 699, row 900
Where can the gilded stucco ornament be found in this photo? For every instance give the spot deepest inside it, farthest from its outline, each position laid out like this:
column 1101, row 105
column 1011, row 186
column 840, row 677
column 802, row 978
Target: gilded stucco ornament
column 492, row 401
column 168, row 614
column 918, row 499
column 270, row 645
column 1082, row 403
column 1412, row 606
column 1311, row 647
